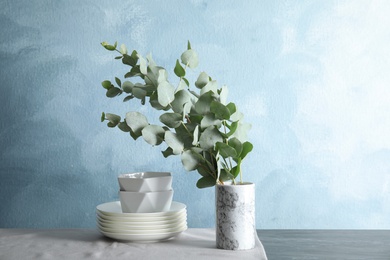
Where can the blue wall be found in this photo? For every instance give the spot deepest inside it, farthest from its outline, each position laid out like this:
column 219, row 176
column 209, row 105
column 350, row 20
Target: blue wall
column 311, row 76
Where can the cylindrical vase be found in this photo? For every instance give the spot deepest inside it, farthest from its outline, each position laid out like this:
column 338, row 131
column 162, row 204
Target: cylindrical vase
column 235, row 216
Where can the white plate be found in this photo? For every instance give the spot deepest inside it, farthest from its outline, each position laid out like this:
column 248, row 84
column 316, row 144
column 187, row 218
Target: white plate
column 179, row 226
column 114, row 209
column 141, row 225
column 145, row 238
column 142, row 219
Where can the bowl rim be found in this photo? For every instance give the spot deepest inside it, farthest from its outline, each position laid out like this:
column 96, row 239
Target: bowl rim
column 141, row 175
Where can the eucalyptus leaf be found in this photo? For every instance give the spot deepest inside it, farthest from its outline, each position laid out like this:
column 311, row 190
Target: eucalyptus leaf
column 225, row 150
column 210, row 120
column 223, row 95
column 136, row 121
column 219, row 110
column 166, row 93
column 181, row 97
column 179, row 70
column 202, row 106
column 172, row 120
column 196, row 136
column 191, row 160
column 113, row 92
column 127, row 86
column 190, row 58
column 210, row 86
column 247, row 147
column 114, row 119
column 142, row 65
column 106, row 84
column 139, row 93
column 236, row 145
column 123, row 49
column 174, row 142
column 153, row 134
column 209, row 138
column 205, row 182
column 124, row 127
column 202, row 80
column 118, row 81
column 168, row 152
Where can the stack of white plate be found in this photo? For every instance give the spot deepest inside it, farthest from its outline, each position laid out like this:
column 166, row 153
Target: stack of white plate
column 141, row 227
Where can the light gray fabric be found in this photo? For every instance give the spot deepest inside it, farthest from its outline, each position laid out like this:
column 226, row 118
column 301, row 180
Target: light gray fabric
column 90, row 244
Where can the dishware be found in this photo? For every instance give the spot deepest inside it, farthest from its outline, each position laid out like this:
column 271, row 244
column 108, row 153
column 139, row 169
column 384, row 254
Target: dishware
column 145, row 202
column 140, row 227
column 145, row 238
column 114, row 209
column 145, row 181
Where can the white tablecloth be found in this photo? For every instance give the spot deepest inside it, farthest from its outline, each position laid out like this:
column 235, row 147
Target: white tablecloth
column 90, row 244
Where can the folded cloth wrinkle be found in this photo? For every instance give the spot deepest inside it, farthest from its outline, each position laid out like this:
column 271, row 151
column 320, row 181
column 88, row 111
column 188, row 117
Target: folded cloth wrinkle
column 90, row 244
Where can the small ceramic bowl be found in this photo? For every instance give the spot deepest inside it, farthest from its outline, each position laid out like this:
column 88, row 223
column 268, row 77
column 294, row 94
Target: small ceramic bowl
column 145, row 181
column 145, row 202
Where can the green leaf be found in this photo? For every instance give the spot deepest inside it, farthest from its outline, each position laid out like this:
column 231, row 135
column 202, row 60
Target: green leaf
column 113, row 92
column 167, row 152
column 127, row 86
column 114, row 119
column 127, row 98
column 225, row 150
column 236, row 145
column 153, row 134
column 118, row 81
column 233, row 127
column 130, row 59
column 172, row 120
column 142, row 65
column 202, row 80
column 190, row 58
column 188, row 45
column 108, row 46
column 124, row 127
column 205, row 182
column 210, row 86
column 136, row 121
column 232, row 108
column 174, row 142
column 123, row 49
column 247, row 147
column 219, row 110
column 202, row 106
column 209, row 138
column 191, row 160
column 106, row 84
column 103, row 117
column 186, row 81
column 179, row 70
column 181, row 97
column 196, row 136
column 210, row 120
column 166, row 93
column 223, row 95
column 134, row 72
column 139, row 93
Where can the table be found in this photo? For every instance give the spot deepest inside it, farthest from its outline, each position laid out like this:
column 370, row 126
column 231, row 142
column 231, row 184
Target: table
column 90, row 244
column 195, row 244
column 326, row 244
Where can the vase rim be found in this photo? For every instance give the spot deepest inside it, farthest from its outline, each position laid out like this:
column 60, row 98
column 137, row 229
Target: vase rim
column 229, row 183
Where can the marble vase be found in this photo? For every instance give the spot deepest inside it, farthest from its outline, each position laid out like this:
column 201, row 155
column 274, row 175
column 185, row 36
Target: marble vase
column 235, row 216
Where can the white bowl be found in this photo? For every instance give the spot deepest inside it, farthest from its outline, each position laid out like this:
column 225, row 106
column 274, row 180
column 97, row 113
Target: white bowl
column 145, row 181
column 145, row 202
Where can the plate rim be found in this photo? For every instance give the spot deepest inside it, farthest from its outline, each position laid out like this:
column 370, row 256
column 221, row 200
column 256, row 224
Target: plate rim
column 151, row 214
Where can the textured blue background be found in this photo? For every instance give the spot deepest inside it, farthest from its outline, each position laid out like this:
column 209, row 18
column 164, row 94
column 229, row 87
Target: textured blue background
column 311, row 76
